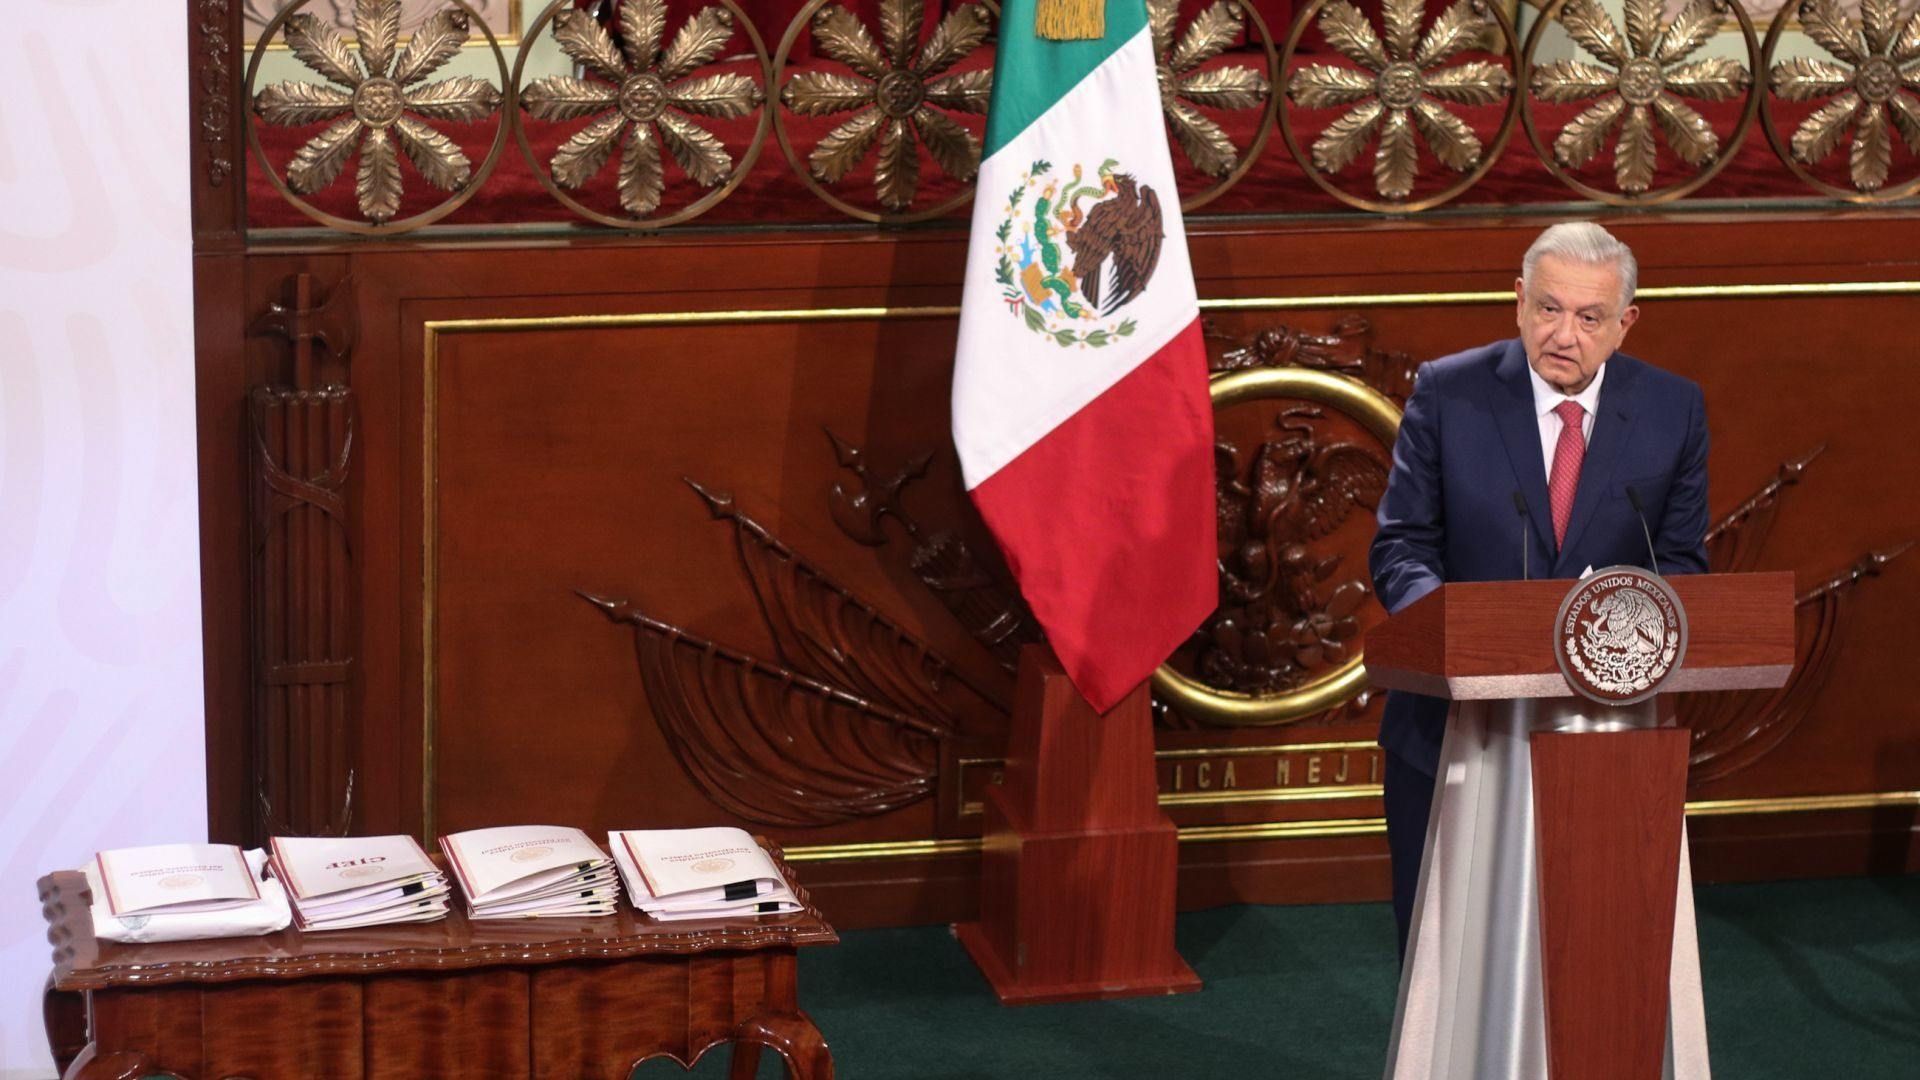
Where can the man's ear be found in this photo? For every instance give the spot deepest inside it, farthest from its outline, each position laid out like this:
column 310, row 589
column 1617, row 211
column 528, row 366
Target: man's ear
column 1629, row 317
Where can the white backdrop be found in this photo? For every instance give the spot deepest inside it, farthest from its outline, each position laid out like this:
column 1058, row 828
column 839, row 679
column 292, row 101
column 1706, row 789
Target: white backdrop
column 100, row 692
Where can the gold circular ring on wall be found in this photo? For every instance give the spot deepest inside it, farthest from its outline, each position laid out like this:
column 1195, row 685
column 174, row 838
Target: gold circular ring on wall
column 1396, row 89
column 1864, row 77
column 1381, row 417
column 894, row 95
column 1179, row 88
column 1632, row 88
column 658, row 93
column 376, row 100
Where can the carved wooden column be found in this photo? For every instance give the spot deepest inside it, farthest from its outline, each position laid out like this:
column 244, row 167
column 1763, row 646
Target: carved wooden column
column 305, row 616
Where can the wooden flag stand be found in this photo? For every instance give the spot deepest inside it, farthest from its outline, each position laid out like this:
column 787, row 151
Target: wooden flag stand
column 1077, row 877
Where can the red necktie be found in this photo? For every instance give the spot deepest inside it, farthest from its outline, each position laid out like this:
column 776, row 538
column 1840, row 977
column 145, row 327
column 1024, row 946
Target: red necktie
column 1568, row 453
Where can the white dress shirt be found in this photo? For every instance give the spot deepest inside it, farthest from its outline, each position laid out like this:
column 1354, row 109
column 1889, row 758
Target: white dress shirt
column 1546, row 398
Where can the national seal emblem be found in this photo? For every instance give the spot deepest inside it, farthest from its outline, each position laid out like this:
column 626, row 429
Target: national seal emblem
column 1620, row 633
column 1073, row 250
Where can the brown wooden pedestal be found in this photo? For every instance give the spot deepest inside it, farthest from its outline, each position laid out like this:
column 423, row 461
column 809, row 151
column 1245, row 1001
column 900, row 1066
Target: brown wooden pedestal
column 1609, row 808
column 1077, row 876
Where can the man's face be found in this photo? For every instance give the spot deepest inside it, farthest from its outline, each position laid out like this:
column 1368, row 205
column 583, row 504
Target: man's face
column 1570, row 320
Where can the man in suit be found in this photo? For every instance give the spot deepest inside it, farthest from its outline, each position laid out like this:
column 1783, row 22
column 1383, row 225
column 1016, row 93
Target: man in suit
column 1532, row 444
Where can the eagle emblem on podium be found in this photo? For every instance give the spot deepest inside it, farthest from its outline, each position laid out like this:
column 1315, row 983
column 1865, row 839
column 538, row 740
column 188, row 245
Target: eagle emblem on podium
column 1620, row 632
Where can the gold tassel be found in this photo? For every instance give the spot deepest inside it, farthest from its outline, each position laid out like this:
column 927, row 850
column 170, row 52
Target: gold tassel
column 1070, row 20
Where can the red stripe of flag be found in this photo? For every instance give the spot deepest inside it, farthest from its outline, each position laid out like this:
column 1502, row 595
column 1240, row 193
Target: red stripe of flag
column 1108, row 522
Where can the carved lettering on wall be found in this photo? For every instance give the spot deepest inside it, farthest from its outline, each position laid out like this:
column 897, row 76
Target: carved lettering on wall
column 1231, row 774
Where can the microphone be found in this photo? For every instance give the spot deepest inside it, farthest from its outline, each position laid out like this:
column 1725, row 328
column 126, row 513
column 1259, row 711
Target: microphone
column 1641, row 512
column 1520, row 507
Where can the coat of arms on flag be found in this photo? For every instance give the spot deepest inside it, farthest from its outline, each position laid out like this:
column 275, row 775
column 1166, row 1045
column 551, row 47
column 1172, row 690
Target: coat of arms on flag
column 1080, row 406
column 1075, row 251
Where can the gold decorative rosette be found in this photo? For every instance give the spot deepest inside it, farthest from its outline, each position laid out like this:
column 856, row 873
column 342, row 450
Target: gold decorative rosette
column 1402, row 90
column 1870, row 86
column 1192, row 78
column 379, row 102
column 902, row 94
column 645, row 99
column 1638, row 83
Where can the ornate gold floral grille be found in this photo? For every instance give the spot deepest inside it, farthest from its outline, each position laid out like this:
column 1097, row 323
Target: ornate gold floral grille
column 879, row 116
column 898, row 94
column 1638, row 82
column 379, row 99
column 1870, row 88
column 645, row 99
column 1404, row 88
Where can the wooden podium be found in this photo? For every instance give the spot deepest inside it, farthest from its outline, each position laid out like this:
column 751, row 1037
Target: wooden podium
column 1077, row 877
column 1553, row 932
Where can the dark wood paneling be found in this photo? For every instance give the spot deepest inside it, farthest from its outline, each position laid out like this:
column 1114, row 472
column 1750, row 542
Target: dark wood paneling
column 605, row 1026
column 326, row 1043
column 221, row 381
column 559, row 454
column 477, row 1025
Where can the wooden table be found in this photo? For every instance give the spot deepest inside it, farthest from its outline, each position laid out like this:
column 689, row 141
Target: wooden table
column 572, row 998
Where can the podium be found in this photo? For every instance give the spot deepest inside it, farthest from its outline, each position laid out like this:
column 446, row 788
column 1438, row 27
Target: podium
column 1553, row 930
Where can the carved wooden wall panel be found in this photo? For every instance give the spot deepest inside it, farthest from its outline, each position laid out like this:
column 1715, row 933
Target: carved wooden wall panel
column 560, row 458
column 529, row 413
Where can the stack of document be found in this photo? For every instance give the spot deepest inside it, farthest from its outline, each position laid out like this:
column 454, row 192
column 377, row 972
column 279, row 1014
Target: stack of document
column 531, row 871
column 182, row 892
column 715, row 873
column 336, row 884
column 176, row 879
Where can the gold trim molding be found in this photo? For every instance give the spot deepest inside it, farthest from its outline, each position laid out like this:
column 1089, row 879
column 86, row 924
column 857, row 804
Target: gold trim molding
column 433, row 329
column 1331, row 827
column 1778, row 290
column 1262, row 749
column 1799, row 804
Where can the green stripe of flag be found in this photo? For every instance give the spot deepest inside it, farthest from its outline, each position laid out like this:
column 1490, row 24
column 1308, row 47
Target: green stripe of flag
column 1030, row 74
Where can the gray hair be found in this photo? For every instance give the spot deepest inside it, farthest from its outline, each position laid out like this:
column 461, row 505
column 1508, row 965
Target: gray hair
column 1587, row 243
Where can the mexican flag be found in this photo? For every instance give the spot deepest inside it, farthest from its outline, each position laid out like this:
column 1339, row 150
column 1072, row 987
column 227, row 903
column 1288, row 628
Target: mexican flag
column 1080, row 404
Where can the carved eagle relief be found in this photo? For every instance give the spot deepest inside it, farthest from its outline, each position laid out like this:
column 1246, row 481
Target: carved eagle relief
column 1122, row 233
column 1283, row 618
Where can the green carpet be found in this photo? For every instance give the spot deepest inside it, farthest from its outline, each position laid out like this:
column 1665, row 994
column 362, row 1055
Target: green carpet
column 1803, row 980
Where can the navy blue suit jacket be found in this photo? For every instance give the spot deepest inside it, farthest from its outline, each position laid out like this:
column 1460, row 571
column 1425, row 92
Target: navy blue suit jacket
column 1470, row 439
